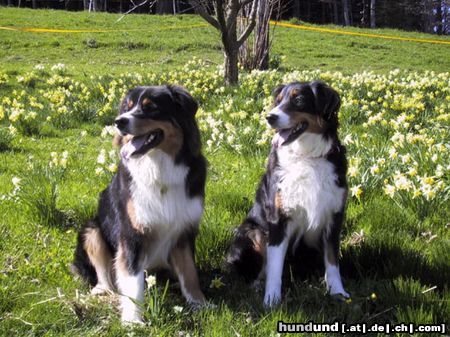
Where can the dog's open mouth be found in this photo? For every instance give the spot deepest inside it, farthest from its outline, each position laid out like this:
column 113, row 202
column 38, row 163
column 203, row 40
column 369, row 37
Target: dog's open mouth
column 289, row 135
column 140, row 145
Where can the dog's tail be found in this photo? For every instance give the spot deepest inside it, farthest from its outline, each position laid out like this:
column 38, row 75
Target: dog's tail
column 247, row 253
column 82, row 265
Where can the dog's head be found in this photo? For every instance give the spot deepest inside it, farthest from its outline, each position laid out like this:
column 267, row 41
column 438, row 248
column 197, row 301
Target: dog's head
column 301, row 107
column 157, row 117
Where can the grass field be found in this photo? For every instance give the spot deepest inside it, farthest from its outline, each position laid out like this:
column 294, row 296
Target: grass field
column 59, row 93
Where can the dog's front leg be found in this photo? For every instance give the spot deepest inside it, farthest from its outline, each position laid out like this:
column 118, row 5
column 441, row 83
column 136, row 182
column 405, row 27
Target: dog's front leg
column 183, row 263
column 131, row 289
column 274, row 272
column 331, row 255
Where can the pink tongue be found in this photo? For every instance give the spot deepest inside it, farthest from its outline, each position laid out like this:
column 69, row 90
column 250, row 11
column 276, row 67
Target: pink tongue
column 129, row 148
column 280, row 137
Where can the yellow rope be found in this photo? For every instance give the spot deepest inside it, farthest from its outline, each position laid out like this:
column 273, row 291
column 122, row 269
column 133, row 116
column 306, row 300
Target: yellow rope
column 281, row 24
column 55, row 30
column 342, row 32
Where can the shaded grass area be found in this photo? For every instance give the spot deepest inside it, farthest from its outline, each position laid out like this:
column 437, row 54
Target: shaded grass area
column 144, row 42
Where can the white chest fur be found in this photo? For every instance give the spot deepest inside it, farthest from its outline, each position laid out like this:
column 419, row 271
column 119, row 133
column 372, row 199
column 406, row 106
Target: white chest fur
column 308, row 189
column 159, row 195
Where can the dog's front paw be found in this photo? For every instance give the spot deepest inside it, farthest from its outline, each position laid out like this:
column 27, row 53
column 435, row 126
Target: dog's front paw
column 272, row 297
column 131, row 319
column 196, row 302
column 339, row 294
column 100, row 289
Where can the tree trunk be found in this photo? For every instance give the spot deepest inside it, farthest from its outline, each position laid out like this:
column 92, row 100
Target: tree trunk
column 231, row 66
column 428, row 16
column 345, row 9
column 262, row 35
column 296, row 9
column 335, row 12
column 363, row 14
column 439, row 18
column 372, row 14
column 164, row 7
column 34, row 4
column 308, row 10
column 323, row 13
column 350, row 13
column 445, row 18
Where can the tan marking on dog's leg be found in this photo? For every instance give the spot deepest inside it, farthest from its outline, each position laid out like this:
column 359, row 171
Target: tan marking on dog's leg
column 259, row 241
column 182, row 261
column 132, row 215
column 278, row 201
column 100, row 258
column 131, row 290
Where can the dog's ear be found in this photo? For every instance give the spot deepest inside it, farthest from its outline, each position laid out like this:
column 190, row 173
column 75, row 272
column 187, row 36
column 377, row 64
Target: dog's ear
column 327, row 100
column 277, row 91
column 184, row 99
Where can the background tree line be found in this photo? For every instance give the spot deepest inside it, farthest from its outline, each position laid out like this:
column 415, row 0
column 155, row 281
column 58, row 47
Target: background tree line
column 431, row 16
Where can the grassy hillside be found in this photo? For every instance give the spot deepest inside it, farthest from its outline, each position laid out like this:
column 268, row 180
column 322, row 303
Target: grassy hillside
column 56, row 156
column 148, row 43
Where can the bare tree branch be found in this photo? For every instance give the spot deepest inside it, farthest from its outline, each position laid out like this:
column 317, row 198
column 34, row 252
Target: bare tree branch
column 251, row 24
column 220, row 12
column 232, row 12
column 203, row 12
column 152, row 3
column 245, row 2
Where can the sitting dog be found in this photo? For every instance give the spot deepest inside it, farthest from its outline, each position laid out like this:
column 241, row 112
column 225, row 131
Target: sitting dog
column 303, row 193
column 149, row 214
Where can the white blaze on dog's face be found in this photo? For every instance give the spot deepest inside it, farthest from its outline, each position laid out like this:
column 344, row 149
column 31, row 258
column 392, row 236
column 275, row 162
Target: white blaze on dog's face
column 304, row 107
column 153, row 117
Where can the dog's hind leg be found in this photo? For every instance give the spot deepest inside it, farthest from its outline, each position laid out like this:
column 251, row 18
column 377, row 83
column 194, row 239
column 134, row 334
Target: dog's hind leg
column 100, row 258
column 247, row 253
column 330, row 254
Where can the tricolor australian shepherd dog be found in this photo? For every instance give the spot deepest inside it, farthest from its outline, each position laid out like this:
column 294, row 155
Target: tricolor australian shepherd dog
column 302, row 195
column 149, row 214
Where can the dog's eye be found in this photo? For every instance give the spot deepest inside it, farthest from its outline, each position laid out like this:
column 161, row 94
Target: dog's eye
column 148, row 106
column 129, row 105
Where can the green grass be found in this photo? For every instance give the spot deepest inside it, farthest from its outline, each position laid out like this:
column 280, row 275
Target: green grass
column 148, row 46
column 402, row 256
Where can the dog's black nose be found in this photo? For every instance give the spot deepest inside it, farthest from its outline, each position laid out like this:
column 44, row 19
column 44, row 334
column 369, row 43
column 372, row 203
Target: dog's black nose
column 272, row 118
column 121, row 122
